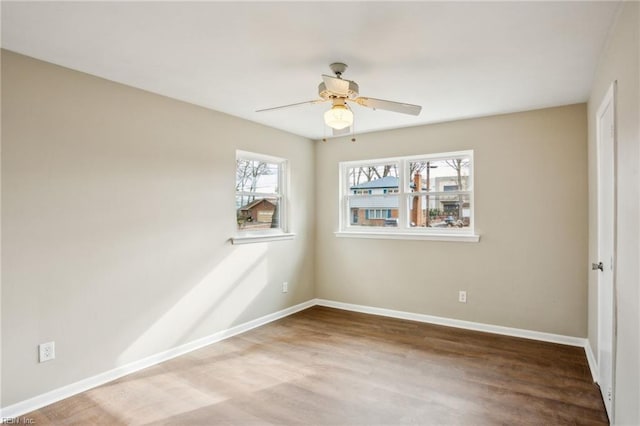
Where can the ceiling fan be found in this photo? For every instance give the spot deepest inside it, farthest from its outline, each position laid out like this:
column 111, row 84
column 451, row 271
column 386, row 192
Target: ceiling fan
column 340, row 92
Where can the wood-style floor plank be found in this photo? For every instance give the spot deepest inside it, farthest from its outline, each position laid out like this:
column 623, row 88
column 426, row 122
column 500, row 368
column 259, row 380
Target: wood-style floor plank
column 325, row 366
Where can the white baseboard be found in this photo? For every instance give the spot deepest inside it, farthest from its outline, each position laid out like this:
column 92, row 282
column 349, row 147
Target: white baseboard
column 59, row 394
column 56, row 395
column 468, row 325
column 591, row 359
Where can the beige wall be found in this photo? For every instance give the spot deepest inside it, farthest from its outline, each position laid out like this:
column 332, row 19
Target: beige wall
column 117, row 208
column 620, row 61
column 529, row 269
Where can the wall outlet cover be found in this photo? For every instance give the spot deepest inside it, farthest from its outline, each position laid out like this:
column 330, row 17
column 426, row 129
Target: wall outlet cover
column 47, row 351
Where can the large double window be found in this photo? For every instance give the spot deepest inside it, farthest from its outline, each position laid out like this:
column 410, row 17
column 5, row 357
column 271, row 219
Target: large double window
column 425, row 196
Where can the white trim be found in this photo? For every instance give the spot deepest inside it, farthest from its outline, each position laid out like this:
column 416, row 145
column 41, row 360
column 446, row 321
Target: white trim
column 591, row 360
column 59, row 394
column 461, row 238
column 433, row 156
column 282, row 195
column 449, row 322
column 265, row 238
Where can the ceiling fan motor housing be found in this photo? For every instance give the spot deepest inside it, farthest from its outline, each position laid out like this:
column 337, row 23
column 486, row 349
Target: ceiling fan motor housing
column 324, row 93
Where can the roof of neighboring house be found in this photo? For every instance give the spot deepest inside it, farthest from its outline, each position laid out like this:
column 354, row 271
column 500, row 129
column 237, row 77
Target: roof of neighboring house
column 255, row 203
column 385, row 182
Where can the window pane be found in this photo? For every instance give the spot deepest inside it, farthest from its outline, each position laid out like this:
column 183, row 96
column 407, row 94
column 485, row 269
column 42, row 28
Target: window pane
column 375, row 210
column 257, row 213
column 257, row 176
column 376, row 179
column 440, row 211
column 374, row 203
column 439, row 175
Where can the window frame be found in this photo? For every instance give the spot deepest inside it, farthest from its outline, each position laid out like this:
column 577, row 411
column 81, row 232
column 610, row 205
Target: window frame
column 403, row 230
column 245, row 236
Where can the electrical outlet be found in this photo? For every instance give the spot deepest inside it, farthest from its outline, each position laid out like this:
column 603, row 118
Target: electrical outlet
column 285, row 287
column 47, row 351
column 462, row 296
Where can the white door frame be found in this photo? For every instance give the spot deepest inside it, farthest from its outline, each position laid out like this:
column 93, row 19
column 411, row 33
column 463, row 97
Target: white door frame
column 609, row 263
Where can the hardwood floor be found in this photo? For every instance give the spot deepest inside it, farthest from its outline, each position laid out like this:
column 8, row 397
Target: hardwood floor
column 325, row 366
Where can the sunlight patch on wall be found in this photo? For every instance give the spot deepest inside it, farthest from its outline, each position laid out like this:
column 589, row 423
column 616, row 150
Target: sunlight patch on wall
column 219, row 298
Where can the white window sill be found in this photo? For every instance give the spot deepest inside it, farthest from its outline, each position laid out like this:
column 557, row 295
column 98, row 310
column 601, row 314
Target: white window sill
column 462, row 238
column 263, row 238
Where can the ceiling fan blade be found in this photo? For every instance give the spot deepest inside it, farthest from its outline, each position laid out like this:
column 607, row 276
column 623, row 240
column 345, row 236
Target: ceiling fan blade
column 338, row 86
column 389, row 105
column 315, row 101
column 340, row 132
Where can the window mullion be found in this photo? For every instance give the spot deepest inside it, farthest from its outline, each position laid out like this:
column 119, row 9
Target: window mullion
column 403, row 222
column 443, row 193
column 344, row 200
column 258, row 194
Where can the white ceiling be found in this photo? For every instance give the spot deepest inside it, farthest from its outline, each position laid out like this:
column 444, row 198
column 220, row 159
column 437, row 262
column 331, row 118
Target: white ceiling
column 455, row 59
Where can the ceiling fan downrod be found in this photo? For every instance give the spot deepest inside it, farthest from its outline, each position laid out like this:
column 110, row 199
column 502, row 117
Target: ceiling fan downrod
column 338, row 68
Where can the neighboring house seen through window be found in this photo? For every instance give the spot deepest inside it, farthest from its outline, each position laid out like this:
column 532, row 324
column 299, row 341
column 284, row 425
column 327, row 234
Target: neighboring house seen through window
column 412, row 196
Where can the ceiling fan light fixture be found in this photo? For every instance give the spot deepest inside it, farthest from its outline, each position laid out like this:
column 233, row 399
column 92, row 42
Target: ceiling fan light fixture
column 338, row 117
